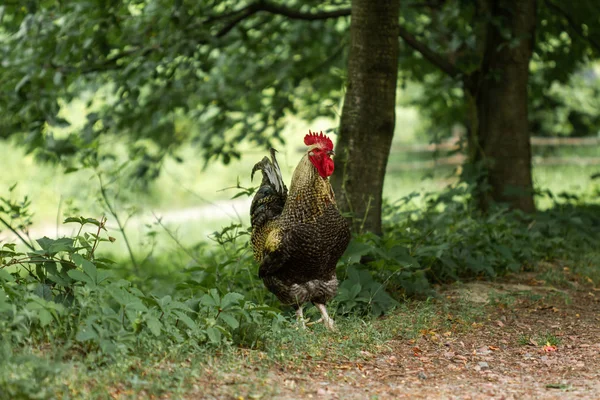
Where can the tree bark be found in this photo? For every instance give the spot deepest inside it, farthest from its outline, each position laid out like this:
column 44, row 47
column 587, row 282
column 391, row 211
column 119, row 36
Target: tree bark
column 499, row 127
column 368, row 115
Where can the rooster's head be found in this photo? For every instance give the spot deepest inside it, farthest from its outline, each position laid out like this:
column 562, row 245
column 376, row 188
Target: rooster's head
column 320, row 150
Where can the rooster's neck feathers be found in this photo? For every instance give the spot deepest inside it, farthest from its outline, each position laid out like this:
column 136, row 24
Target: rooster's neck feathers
column 309, row 193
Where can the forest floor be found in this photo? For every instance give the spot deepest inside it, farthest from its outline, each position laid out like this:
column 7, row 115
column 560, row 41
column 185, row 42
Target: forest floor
column 514, row 339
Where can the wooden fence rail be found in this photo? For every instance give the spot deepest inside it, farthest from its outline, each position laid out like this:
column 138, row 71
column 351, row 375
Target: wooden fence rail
column 536, row 141
column 459, row 159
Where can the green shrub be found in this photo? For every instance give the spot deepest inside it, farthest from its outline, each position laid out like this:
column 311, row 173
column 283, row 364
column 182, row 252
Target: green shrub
column 449, row 240
column 64, row 294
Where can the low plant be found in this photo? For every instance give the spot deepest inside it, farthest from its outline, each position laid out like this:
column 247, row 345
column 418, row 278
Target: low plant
column 448, row 240
column 60, row 291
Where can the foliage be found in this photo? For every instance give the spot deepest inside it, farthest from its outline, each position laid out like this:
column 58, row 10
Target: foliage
column 26, row 377
column 158, row 69
column 565, row 49
column 448, row 240
column 359, row 294
column 63, row 292
column 567, row 109
column 154, row 70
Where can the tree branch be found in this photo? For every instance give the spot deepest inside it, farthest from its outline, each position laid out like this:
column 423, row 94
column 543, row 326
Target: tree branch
column 275, row 9
column 111, row 63
column 430, row 55
column 295, row 14
column 334, row 54
column 240, row 15
column 108, row 64
column 243, row 14
column 13, row 230
column 267, row 6
column 573, row 24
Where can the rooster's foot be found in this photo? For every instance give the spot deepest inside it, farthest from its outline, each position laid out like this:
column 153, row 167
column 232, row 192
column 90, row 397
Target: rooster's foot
column 315, row 322
column 327, row 320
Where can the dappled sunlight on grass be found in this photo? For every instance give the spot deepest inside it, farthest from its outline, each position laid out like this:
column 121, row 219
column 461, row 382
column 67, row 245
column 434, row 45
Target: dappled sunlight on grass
column 574, row 179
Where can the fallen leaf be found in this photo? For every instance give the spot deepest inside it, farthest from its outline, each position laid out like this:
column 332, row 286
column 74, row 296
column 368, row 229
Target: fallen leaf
column 549, row 348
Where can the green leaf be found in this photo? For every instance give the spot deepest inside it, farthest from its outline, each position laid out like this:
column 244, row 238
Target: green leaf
column 62, row 244
column 43, row 291
column 103, row 276
column 45, row 243
column 208, row 300
column 4, row 304
column 60, row 280
column 120, row 295
column 82, row 221
column 229, row 319
column 69, row 220
column 22, row 83
column 230, row 299
column 79, row 276
column 355, row 290
column 92, row 221
column 185, row 319
column 164, row 302
column 154, row 325
column 355, row 251
column 5, row 276
column 45, row 317
column 88, row 267
column 135, row 305
column 180, row 306
column 86, row 333
column 214, row 335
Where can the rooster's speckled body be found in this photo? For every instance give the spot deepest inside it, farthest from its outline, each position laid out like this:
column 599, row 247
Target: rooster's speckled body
column 298, row 237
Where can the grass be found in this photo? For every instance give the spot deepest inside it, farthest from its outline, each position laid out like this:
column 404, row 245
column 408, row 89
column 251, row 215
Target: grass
column 47, row 373
column 542, row 339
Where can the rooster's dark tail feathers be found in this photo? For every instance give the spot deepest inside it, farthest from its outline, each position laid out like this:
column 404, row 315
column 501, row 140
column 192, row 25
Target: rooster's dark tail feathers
column 270, row 198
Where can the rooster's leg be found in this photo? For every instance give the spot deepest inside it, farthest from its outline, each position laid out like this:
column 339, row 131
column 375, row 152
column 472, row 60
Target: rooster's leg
column 300, row 317
column 327, row 320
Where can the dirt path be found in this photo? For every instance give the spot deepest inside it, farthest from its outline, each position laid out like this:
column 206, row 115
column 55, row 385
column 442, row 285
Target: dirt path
column 533, row 343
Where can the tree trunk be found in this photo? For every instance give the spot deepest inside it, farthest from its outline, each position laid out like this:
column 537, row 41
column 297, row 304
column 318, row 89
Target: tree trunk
column 368, row 114
column 499, row 126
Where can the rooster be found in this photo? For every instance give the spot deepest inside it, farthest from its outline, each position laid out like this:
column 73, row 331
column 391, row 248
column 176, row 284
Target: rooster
column 299, row 237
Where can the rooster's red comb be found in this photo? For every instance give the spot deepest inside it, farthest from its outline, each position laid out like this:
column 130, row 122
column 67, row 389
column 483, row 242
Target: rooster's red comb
column 321, row 139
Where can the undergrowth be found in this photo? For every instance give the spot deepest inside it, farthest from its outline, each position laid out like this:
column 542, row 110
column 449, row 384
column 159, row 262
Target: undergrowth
column 449, row 240
column 63, row 300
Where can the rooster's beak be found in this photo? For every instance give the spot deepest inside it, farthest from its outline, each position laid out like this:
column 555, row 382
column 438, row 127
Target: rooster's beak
column 331, row 153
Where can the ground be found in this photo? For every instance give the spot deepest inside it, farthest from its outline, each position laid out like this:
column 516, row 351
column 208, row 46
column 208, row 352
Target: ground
column 514, row 339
